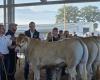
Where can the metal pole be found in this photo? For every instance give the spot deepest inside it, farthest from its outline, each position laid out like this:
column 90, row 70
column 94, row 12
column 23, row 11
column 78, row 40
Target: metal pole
column 64, row 18
column 11, row 12
column 5, row 14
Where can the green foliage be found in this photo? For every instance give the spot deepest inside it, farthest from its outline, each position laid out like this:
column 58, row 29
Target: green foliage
column 90, row 13
column 73, row 14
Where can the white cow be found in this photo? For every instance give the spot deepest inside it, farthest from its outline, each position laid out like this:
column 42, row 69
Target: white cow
column 94, row 55
column 92, row 50
column 40, row 53
column 97, row 60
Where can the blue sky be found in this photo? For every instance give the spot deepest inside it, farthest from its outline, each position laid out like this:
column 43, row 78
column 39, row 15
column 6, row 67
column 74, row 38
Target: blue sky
column 44, row 14
column 40, row 14
column 21, row 1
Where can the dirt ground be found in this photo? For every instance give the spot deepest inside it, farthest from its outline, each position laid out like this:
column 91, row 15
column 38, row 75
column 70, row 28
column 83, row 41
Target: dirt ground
column 20, row 73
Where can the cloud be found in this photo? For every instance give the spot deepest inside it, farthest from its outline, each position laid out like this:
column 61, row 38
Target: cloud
column 38, row 18
column 26, row 1
column 1, row 2
column 36, row 9
column 44, row 8
column 40, row 21
column 1, row 12
column 1, row 15
column 42, row 14
column 26, row 14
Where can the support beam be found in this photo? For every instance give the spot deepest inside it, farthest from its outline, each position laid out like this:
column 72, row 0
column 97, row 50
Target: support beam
column 65, row 18
column 5, row 14
column 11, row 12
column 49, row 3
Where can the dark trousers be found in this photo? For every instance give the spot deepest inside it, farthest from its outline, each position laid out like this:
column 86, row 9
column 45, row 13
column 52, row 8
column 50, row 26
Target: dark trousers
column 48, row 73
column 4, row 67
column 26, row 70
column 12, row 66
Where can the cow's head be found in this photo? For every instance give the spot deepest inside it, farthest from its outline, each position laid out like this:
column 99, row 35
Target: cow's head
column 22, row 43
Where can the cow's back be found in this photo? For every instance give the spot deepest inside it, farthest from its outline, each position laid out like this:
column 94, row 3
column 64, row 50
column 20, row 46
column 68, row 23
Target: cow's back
column 47, row 53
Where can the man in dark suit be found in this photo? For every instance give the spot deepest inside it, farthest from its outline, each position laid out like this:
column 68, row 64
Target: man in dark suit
column 12, row 54
column 32, row 33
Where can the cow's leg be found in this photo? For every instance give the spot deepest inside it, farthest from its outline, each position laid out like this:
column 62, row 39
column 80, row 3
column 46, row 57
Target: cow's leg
column 36, row 73
column 56, row 74
column 89, row 71
column 94, row 67
column 83, row 71
column 72, row 73
column 59, row 71
column 95, row 64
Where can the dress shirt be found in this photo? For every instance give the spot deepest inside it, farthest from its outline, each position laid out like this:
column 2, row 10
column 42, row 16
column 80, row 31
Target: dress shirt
column 5, row 42
column 31, row 33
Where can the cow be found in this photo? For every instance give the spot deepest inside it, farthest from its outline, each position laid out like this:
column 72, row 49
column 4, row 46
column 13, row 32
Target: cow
column 43, row 53
column 96, row 63
column 93, row 54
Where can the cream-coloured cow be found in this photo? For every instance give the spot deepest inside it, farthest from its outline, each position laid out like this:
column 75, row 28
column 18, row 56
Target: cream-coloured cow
column 97, row 60
column 92, row 50
column 41, row 53
column 93, row 46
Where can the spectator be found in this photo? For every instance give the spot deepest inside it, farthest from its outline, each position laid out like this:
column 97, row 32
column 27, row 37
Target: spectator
column 32, row 33
column 51, row 37
column 5, row 42
column 75, row 35
column 87, row 35
column 92, row 34
column 61, row 34
column 12, row 54
column 70, row 36
column 66, row 34
column 54, row 34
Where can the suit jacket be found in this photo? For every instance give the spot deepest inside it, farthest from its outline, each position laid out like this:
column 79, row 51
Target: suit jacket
column 10, row 33
column 11, row 50
column 35, row 35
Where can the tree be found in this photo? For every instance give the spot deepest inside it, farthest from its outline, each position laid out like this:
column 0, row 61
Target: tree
column 71, row 14
column 98, row 17
column 95, row 26
column 90, row 13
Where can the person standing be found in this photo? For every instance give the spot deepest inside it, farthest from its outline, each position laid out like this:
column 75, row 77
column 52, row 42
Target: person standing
column 5, row 42
column 12, row 54
column 61, row 34
column 52, row 36
column 66, row 34
column 32, row 33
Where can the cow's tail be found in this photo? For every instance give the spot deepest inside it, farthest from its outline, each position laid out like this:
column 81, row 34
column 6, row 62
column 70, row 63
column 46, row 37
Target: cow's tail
column 83, row 61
